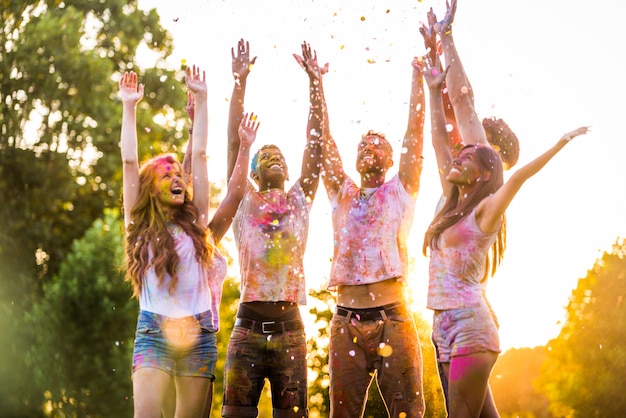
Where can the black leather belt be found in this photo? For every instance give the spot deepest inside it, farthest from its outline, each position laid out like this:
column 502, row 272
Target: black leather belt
column 371, row 314
column 269, row 327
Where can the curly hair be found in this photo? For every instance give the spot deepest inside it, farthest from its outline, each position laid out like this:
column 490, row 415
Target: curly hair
column 503, row 140
column 449, row 215
column 148, row 230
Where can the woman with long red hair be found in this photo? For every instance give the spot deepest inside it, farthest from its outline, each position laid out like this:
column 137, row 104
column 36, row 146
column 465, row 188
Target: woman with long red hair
column 171, row 256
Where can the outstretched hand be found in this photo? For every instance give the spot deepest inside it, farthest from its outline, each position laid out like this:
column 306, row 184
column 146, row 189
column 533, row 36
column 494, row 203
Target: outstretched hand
column 248, row 128
column 196, row 82
column 242, row 63
column 445, row 26
column 433, row 75
column 130, row 91
column 573, row 134
column 430, row 34
column 308, row 61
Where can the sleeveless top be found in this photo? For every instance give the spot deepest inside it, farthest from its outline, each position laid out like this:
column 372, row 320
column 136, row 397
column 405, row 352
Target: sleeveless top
column 457, row 266
column 197, row 289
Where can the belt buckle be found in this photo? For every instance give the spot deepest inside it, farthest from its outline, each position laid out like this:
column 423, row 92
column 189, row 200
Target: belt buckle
column 268, row 323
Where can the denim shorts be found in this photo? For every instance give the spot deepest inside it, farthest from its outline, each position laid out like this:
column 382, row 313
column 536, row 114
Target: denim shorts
column 388, row 347
column 461, row 332
column 179, row 346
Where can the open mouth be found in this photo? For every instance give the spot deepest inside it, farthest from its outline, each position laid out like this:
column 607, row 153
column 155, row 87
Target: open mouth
column 177, row 190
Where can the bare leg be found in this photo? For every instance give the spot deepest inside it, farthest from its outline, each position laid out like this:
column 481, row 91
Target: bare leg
column 149, row 389
column 191, row 396
column 209, row 403
column 468, row 386
column 489, row 406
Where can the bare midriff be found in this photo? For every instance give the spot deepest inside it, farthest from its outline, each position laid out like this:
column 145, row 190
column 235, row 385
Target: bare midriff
column 370, row 295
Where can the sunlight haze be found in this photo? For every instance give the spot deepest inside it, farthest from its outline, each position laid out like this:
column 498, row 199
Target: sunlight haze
column 544, row 67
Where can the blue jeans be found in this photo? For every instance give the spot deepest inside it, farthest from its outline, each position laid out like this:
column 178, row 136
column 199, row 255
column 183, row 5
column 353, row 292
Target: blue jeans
column 253, row 356
column 388, row 346
column 179, row 346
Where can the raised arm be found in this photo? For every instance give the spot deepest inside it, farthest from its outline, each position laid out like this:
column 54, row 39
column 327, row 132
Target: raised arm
column 491, row 209
column 457, row 83
column 187, row 157
column 130, row 94
column 434, row 51
column 411, row 158
column 312, row 157
column 434, row 79
column 241, row 67
column 196, row 82
column 331, row 164
column 225, row 212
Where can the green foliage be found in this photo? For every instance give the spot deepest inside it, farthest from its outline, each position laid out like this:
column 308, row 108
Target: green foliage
column 84, row 327
column 586, row 368
column 60, row 119
column 512, row 383
column 59, row 154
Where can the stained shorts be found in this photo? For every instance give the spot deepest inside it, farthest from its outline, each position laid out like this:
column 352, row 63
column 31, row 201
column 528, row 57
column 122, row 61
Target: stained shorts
column 389, row 348
column 179, row 346
column 251, row 357
column 461, row 332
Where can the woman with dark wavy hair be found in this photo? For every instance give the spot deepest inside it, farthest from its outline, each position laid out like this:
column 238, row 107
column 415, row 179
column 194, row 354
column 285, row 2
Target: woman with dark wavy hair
column 171, row 259
column 466, row 241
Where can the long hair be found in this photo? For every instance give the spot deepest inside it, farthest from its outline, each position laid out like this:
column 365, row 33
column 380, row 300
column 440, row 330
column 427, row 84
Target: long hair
column 148, row 230
column 450, row 214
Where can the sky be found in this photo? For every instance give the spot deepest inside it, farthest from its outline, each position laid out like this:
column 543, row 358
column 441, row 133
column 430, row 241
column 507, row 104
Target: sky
column 545, row 67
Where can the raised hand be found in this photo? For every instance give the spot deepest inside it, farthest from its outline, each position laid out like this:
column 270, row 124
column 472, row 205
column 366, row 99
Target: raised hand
column 573, row 134
column 433, row 75
column 419, row 63
column 430, row 34
column 196, row 80
column 248, row 128
column 130, row 91
column 242, row 63
column 308, row 61
column 445, row 26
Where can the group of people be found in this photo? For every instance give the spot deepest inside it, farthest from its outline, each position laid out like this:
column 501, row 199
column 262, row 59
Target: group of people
column 177, row 271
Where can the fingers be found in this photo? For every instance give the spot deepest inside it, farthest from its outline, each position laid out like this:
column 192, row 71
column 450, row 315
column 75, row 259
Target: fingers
column 576, row 132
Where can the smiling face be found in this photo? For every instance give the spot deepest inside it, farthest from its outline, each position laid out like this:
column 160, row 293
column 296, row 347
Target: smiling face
column 466, row 168
column 374, row 155
column 269, row 168
column 168, row 183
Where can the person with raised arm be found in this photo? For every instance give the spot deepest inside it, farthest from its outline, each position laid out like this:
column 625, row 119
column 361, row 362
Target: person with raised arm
column 171, row 258
column 463, row 124
column 372, row 330
column 271, row 228
column 466, row 242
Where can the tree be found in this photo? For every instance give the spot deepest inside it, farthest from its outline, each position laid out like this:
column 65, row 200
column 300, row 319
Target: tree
column 84, row 327
column 59, row 156
column 59, row 121
column 586, row 367
column 513, row 383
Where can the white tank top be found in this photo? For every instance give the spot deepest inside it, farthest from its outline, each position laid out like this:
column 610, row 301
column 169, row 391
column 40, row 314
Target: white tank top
column 191, row 295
